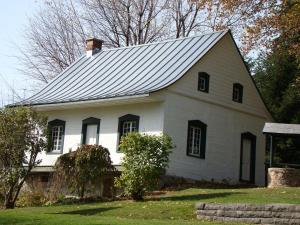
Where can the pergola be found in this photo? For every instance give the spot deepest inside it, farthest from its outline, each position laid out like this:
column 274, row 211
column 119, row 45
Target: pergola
column 282, row 130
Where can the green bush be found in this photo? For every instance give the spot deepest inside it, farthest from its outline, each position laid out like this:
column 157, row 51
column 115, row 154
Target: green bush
column 83, row 167
column 146, row 158
column 31, row 198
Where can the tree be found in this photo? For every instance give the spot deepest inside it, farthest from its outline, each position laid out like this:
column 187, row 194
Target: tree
column 84, row 166
column 280, row 18
column 146, row 158
column 22, row 137
column 275, row 76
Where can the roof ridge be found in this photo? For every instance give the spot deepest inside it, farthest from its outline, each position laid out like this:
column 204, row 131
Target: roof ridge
column 163, row 41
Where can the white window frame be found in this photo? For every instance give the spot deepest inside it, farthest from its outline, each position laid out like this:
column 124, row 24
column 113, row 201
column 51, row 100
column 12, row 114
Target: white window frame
column 195, row 148
column 56, row 147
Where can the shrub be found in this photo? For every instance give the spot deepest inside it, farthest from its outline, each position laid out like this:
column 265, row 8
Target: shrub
column 31, row 198
column 85, row 166
column 146, row 158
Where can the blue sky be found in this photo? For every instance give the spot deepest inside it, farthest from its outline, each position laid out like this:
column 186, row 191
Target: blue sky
column 13, row 18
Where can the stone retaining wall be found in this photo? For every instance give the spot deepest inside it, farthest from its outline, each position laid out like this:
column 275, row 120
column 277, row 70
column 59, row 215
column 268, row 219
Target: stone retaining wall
column 250, row 213
column 283, row 177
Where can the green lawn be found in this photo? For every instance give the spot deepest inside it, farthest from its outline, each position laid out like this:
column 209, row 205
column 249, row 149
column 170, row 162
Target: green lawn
column 172, row 208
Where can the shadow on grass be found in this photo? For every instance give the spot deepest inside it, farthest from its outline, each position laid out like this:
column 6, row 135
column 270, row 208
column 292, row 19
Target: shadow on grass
column 87, row 212
column 195, row 197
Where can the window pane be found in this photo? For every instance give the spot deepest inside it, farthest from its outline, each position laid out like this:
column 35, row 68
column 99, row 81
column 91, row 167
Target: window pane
column 57, row 132
column 236, row 94
column 194, row 141
column 91, row 134
column 129, row 126
column 202, row 83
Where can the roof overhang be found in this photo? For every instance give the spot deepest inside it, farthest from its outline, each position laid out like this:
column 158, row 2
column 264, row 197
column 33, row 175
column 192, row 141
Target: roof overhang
column 125, row 100
column 282, row 129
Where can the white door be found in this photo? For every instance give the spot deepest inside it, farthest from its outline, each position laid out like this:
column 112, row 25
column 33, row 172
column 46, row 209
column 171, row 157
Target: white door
column 91, row 134
column 246, row 160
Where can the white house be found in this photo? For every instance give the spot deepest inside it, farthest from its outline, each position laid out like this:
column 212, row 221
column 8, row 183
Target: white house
column 195, row 89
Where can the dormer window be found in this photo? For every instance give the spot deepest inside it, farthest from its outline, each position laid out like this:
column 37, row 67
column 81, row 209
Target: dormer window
column 203, row 82
column 237, row 93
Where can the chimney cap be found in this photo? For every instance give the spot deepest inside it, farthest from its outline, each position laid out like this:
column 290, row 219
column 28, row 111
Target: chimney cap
column 94, row 39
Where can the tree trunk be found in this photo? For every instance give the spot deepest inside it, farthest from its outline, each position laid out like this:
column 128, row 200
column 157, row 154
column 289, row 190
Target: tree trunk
column 81, row 194
column 9, row 203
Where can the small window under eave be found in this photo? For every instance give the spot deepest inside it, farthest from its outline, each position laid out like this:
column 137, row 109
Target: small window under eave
column 237, row 93
column 203, row 82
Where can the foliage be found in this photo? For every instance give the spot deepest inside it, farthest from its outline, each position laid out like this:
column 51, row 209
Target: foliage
column 275, row 76
column 84, row 166
column 22, row 137
column 31, row 198
column 146, row 158
column 282, row 18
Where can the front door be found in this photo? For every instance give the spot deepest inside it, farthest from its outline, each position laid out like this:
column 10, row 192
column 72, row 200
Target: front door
column 247, row 158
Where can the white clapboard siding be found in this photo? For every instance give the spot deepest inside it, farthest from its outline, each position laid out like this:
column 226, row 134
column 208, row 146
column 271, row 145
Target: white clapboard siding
column 225, row 67
column 226, row 120
column 151, row 122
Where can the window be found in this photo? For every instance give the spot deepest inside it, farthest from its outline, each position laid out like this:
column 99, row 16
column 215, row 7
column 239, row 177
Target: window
column 237, row 93
column 90, row 131
column 56, row 130
column 44, row 178
column 196, row 139
column 203, row 82
column 128, row 123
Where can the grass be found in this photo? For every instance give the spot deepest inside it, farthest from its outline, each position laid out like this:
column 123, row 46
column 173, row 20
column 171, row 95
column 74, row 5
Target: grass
column 175, row 207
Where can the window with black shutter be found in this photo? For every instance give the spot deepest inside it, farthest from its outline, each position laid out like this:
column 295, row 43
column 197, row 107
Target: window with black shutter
column 237, row 93
column 56, row 131
column 90, row 131
column 128, row 123
column 196, row 139
column 203, row 82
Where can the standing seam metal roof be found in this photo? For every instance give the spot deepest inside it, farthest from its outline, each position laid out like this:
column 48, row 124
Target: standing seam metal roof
column 126, row 71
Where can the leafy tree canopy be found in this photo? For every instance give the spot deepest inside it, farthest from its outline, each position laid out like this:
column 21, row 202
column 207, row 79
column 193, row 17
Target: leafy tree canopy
column 22, row 137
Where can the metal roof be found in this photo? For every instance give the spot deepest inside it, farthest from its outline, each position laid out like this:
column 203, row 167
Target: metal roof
column 282, row 128
column 126, row 71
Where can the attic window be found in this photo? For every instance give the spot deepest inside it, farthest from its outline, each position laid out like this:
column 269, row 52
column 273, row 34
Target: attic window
column 56, row 134
column 203, row 82
column 128, row 123
column 196, row 139
column 237, row 93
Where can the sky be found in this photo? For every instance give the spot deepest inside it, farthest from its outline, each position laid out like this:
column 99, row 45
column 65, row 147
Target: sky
column 13, row 18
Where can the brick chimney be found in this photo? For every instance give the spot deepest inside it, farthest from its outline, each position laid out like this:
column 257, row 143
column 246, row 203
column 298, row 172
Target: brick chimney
column 93, row 45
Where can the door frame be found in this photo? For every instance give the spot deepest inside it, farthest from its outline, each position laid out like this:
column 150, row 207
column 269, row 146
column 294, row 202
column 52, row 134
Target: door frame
column 252, row 138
